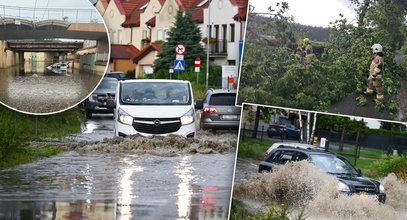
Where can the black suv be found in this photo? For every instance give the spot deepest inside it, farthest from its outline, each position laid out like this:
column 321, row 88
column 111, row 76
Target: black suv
column 350, row 179
column 97, row 101
column 219, row 110
column 284, row 131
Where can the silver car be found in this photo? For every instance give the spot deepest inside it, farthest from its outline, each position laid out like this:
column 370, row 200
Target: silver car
column 219, row 110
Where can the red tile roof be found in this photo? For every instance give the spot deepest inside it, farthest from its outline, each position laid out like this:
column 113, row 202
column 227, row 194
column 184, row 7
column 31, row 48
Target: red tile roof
column 133, row 18
column 105, row 3
column 242, row 11
column 123, row 51
column 191, row 5
column 162, row 2
column 147, row 50
column 151, row 22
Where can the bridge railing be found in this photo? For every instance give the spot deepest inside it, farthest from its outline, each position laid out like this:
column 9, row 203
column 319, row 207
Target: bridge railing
column 41, row 14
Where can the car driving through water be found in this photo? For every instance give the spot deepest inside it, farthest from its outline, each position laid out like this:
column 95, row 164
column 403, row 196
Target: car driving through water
column 349, row 178
column 154, row 107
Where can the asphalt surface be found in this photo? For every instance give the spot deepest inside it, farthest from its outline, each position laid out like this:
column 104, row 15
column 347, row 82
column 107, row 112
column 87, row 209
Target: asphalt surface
column 100, row 185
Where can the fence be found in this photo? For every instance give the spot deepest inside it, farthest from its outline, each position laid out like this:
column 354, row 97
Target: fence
column 41, row 14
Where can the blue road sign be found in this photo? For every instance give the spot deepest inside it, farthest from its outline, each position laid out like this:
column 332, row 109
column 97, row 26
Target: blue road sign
column 179, row 65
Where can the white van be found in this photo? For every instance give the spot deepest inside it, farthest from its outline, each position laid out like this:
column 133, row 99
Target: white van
column 154, row 107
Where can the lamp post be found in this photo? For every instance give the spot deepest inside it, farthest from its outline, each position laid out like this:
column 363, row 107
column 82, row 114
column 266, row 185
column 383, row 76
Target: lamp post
column 209, row 43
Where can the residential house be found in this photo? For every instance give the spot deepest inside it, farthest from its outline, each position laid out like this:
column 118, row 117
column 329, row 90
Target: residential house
column 120, row 57
column 227, row 25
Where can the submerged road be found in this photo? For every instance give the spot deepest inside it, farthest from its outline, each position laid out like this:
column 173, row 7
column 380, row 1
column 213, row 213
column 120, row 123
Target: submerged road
column 34, row 88
column 100, row 185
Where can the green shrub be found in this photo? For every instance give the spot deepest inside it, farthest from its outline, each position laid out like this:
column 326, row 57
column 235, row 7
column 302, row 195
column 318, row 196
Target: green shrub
column 392, row 164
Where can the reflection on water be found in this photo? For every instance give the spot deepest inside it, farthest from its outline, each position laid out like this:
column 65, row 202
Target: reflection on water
column 118, row 186
column 34, row 88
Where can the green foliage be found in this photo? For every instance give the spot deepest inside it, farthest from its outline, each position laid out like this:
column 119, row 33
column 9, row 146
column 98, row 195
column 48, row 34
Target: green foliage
column 385, row 132
column 362, row 101
column 335, row 123
column 392, row 164
column 131, row 74
column 184, row 31
column 253, row 148
column 275, row 212
column 29, row 154
column 10, row 133
column 277, row 75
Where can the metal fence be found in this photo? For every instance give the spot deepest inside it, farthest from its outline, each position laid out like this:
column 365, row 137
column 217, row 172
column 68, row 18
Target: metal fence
column 41, row 14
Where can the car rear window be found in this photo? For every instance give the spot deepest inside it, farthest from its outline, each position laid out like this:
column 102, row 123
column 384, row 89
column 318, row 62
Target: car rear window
column 223, row 99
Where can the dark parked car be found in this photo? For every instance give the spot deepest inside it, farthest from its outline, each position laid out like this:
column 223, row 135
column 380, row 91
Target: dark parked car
column 219, row 110
column 350, row 179
column 284, row 131
column 96, row 103
column 117, row 75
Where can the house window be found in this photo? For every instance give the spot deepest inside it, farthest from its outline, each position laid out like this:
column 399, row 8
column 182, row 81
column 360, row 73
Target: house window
column 232, row 32
column 145, row 34
column 148, row 69
column 160, row 34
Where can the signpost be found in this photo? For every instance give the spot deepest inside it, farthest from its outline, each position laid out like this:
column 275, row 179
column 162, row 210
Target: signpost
column 179, row 63
column 197, row 69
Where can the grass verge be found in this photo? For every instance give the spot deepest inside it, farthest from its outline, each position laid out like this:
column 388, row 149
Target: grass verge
column 29, row 154
column 253, row 148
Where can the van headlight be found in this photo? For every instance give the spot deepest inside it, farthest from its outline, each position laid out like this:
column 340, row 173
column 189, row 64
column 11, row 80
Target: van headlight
column 381, row 188
column 124, row 117
column 188, row 118
column 342, row 187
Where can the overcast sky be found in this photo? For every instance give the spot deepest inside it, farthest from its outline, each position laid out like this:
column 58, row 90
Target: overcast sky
column 77, row 4
column 312, row 12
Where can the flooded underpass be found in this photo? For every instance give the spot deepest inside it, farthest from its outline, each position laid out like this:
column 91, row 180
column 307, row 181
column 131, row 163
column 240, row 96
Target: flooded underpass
column 308, row 190
column 33, row 87
column 124, row 178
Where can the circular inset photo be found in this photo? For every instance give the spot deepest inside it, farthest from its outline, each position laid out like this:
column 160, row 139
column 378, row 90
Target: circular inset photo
column 53, row 54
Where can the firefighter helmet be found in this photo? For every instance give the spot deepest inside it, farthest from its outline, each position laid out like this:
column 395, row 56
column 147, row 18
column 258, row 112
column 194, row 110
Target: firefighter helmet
column 377, row 48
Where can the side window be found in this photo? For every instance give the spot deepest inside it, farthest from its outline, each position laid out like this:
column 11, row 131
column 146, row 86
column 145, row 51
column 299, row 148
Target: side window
column 274, row 157
column 286, row 156
column 300, row 156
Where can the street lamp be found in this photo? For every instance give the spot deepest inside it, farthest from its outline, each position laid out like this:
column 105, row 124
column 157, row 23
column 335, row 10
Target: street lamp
column 209, row 43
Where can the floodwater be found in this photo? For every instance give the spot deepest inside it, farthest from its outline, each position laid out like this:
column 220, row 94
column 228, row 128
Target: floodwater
column 34, row 88
column 124, row 178
column 307, row 188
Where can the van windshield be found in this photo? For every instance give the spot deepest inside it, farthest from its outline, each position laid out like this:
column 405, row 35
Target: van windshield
column 155, row 93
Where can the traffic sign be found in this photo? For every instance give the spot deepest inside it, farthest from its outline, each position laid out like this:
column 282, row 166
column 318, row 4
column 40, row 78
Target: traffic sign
column 179, row 57
column 180, row 49
column 197, row 62
column 197, row 69
column 179, row 65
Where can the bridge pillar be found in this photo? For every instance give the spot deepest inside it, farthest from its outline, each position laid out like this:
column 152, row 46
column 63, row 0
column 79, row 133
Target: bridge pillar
column 8, row 58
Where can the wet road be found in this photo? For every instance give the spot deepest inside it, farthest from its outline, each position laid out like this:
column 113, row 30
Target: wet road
column 97, row 185
column 34, row 88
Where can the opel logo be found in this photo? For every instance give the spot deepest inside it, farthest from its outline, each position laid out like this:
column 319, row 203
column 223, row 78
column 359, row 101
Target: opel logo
column 156, row 122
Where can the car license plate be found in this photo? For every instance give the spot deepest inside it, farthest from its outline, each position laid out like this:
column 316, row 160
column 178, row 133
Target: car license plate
column 229, row 117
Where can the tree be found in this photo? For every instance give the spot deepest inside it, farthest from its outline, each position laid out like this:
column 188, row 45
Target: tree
column 184, row 31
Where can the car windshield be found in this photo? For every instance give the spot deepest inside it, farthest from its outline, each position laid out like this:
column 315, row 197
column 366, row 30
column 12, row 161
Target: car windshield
column 155, row 93
column 223, row 99
column 108, row 84
column 333, row 164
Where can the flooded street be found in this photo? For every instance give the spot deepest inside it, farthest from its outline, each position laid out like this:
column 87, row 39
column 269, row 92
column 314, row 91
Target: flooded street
column 94, row 183
column 36, row 89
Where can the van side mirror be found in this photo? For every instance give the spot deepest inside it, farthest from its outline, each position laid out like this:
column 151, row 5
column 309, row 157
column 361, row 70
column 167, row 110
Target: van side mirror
column 199, row 104
column 110, row 104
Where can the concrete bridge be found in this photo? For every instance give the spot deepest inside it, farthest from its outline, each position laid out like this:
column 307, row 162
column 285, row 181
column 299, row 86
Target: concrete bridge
column 43, row 46
column 14, row 29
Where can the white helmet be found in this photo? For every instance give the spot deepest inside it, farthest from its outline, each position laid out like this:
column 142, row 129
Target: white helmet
column 377, row 48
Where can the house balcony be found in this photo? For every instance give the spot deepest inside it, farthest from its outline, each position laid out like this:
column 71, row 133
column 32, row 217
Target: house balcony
column 218, row 48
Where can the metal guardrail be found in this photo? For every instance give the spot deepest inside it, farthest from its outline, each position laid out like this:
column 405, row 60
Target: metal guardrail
column 41, row 14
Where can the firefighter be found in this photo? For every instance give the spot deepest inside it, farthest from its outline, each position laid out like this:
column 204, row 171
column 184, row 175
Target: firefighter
column 374, row 81
column 308, row 51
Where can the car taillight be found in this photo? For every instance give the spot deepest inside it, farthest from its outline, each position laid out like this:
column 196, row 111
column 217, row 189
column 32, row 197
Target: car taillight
column 210, row 110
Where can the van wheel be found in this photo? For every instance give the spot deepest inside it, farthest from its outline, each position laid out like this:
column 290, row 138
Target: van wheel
column 88, row 115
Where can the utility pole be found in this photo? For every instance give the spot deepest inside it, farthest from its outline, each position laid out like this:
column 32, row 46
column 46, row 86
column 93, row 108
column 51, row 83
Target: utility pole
column 209, row 44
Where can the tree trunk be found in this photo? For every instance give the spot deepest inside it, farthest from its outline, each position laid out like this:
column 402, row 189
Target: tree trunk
column 301, row 128
column 308, row 127
column 313, row 127
column 362, row 13
column 256, row 121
